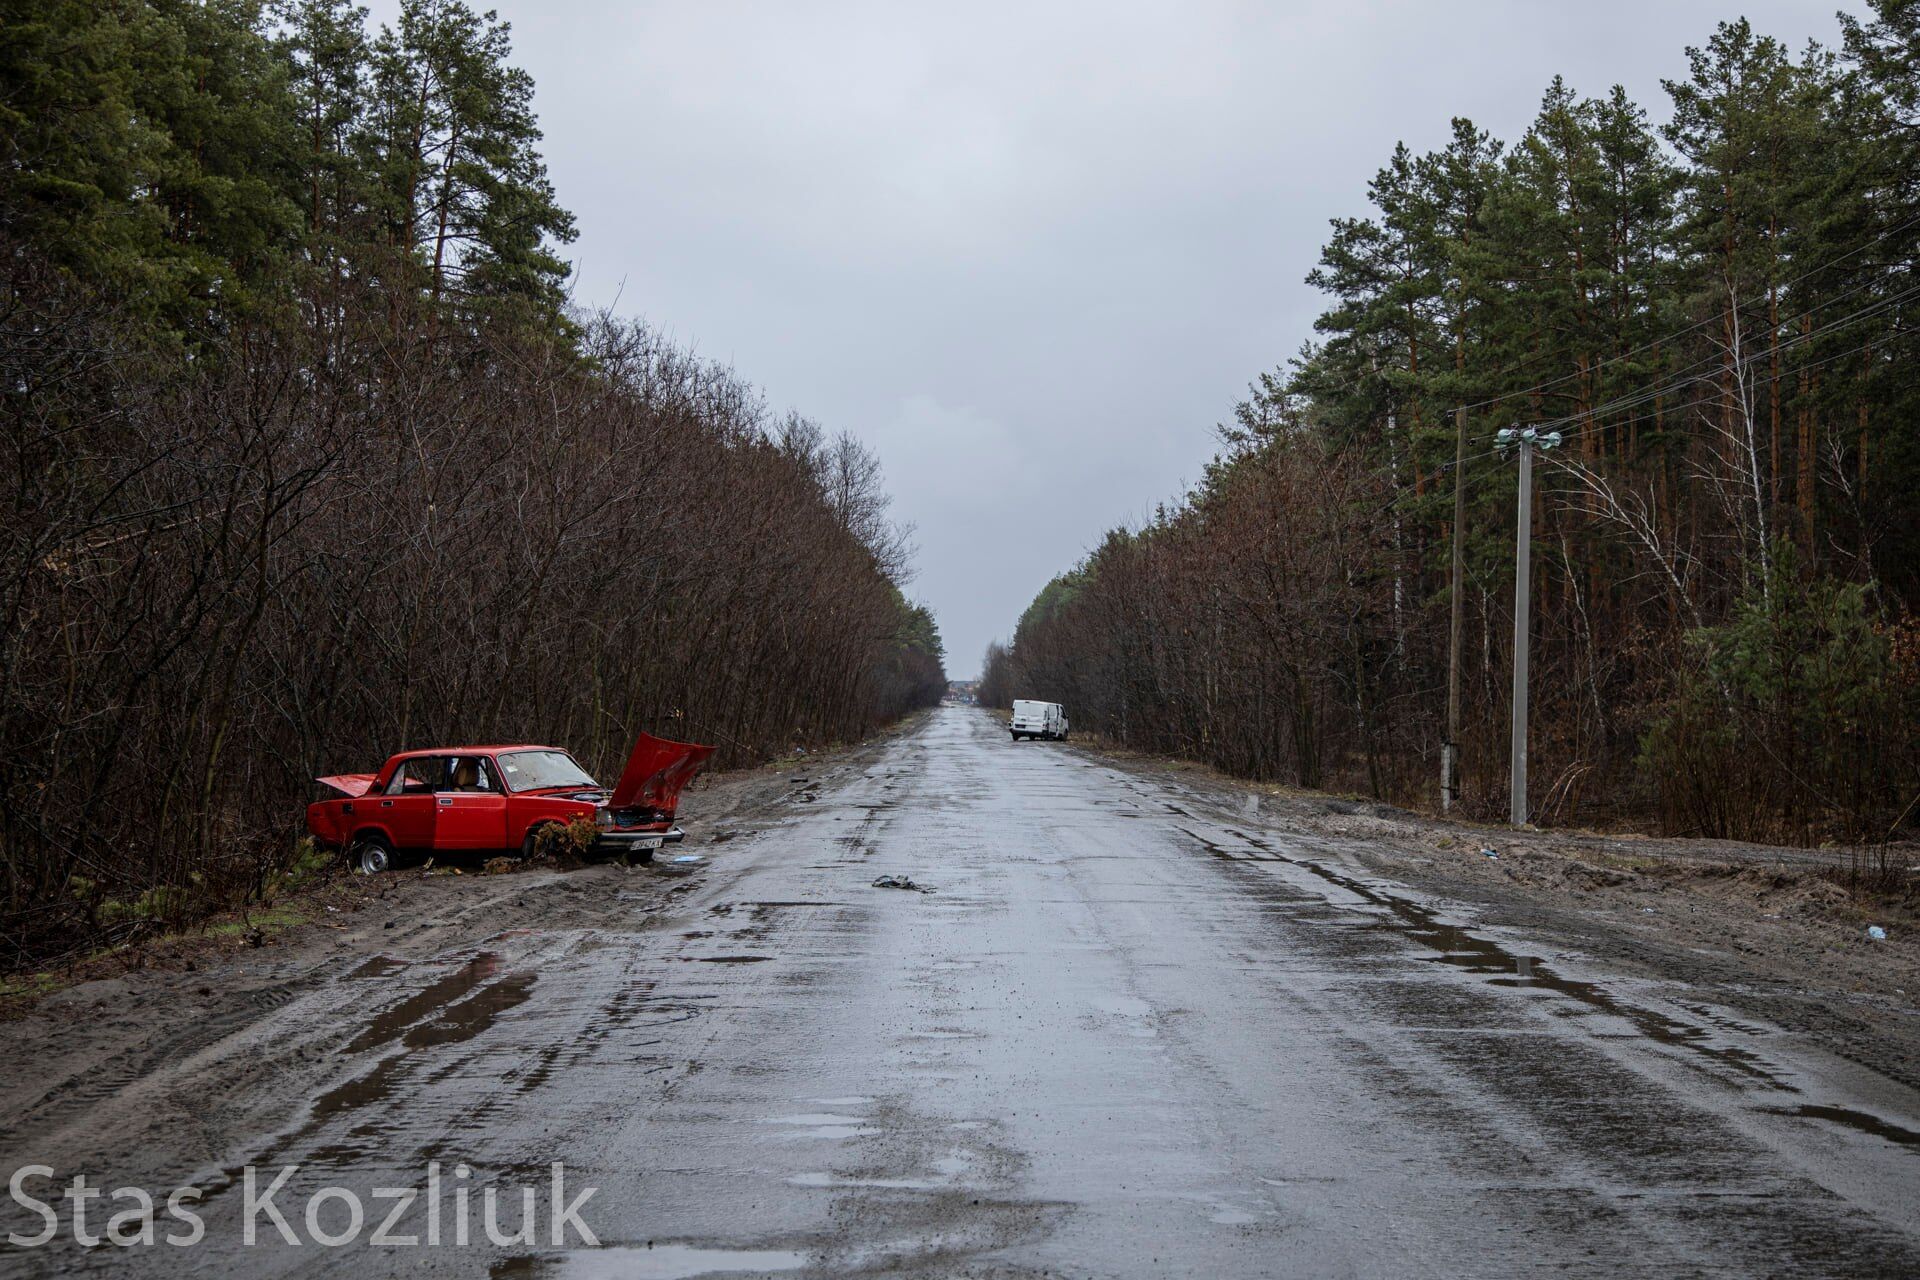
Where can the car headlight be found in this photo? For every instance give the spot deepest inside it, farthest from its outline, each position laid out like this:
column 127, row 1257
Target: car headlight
column 603, row 818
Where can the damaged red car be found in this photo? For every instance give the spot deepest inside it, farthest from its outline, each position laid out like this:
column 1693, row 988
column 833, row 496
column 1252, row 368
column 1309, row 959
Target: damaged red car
column 501, row 799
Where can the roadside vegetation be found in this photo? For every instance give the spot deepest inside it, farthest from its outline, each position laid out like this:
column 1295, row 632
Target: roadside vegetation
column 308, row 460
column 1718, row 315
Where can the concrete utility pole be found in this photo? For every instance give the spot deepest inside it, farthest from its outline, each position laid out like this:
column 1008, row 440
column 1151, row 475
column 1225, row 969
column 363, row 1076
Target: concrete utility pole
column 1526, row 439
column 1450, row 749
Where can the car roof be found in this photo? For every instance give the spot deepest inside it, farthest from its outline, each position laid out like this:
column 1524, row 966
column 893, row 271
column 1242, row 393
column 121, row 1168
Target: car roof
column 473, row 751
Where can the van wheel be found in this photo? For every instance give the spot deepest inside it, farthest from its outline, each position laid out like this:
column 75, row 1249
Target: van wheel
column 370, row 856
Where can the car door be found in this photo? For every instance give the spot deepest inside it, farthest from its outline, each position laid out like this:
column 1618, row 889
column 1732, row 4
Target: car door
column 470, row 809
column 406, row 809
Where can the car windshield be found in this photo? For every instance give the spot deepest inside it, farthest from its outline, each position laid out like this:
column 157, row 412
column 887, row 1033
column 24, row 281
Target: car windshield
column 533, row 770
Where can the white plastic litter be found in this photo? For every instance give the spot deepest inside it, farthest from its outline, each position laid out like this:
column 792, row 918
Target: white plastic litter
column 686, row 858
column 1875, row 932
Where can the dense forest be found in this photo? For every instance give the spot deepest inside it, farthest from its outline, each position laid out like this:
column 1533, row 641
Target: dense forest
column 1717, row 314
column 310, row 460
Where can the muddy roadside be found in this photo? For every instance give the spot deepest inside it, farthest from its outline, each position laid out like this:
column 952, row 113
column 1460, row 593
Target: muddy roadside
column 1768, row 931
column 76, row 1062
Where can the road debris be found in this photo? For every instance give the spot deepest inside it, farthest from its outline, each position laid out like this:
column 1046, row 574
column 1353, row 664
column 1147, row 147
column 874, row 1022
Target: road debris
column 901, row 882
column 1875, row 932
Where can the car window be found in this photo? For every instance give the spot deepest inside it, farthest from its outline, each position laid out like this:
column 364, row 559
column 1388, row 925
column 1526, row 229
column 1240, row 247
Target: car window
column 469, row 773
column 418, row 776
column 532, row 770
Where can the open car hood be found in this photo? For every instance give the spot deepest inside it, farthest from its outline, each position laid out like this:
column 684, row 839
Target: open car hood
column 655, row 773
column 349, row 784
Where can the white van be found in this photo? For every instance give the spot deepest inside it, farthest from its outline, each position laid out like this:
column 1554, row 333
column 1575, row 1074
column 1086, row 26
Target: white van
column 1039, row 720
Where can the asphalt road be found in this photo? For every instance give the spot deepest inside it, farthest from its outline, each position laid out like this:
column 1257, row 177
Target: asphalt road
column 1125, row 1035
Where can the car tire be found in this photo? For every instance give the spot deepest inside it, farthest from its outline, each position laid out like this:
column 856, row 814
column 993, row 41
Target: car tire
column 370, row 856
column 530, row 844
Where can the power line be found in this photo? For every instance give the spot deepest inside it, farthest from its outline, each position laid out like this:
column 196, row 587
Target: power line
column 1717, row 397
column 1714, row 362
column 1687, row 375
column 1681, row 333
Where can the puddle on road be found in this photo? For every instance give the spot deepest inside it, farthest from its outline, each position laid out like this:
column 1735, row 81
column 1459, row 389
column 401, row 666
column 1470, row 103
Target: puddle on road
column 391, row 1023
column 648, row 1262
column 942, row 1035
column 1228, row 1215
column 456, row 1025
column 824, row 1124
column 1851, row 1119
column 812, row 1118
column 822, row 1179
column 377, row 967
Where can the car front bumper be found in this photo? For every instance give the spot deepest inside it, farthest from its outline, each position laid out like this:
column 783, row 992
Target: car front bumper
column 615, row 842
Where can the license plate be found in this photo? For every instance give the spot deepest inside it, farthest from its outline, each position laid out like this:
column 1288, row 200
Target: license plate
column 648, row 842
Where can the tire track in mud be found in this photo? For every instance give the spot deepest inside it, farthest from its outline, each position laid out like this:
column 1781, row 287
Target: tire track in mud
column 125, row 1075
column 1459, row 947
column 476, row 990
column 1523, row 1091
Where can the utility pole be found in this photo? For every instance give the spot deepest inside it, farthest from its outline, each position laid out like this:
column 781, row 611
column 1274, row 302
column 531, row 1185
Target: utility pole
column 1526, row 439
column 1450, row 749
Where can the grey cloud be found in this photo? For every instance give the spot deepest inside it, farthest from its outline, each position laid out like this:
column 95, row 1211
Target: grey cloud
column 1030, row 252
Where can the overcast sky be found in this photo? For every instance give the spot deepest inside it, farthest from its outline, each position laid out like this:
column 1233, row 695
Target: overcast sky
column 1029, row 253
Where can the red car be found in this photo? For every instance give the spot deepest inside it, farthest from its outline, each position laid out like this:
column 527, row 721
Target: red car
column 499, row 798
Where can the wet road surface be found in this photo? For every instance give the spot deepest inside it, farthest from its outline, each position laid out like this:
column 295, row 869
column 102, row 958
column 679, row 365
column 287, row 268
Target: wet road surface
column 1129, row 1033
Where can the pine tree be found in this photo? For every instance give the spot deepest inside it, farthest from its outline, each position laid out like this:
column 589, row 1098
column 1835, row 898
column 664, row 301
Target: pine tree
column 324, row 43
column 147, row 149
column 1870, row 451
column 462, row 192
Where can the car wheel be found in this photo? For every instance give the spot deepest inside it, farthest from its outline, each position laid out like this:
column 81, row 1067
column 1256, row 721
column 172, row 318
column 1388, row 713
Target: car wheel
column 371, row 855
column 530, row 846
